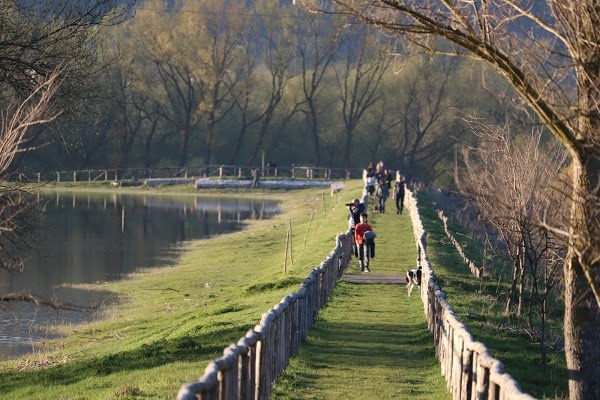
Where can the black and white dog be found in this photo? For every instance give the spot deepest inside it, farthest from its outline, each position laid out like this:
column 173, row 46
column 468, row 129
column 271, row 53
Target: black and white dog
column 413, row 278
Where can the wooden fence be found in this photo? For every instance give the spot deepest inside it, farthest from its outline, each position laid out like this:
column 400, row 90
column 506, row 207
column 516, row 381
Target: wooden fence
column 220, row 171
column 469, row 369
column 248, row 368
column 475, row 270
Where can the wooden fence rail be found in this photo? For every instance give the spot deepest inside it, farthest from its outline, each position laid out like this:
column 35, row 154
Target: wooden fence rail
column 248, row 368
column 220, row 171
column 469, row 369
column 475, row 270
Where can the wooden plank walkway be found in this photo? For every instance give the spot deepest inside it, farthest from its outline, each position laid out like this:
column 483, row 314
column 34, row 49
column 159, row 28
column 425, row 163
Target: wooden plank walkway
column 372, row 278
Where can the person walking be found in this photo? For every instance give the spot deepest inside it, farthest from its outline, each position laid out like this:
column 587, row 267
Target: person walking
column 355, row 209
column 359, row 237
column 399, row 191
column 383, row 192
column 255, row 178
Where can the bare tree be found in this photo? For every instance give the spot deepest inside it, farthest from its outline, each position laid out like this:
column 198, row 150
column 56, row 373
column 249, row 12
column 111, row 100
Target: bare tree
column 513, row 182
column 548, row 51
column 424, row 104
column 317, row 42
column 359, row 77
column 278, row 61
column 38, row 36
column 16, row 119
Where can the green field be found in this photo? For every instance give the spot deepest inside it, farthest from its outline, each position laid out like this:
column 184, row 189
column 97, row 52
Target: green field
column 170, row 322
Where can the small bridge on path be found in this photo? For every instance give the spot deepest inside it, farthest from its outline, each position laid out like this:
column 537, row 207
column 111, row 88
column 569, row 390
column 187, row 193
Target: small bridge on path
column 371, row 278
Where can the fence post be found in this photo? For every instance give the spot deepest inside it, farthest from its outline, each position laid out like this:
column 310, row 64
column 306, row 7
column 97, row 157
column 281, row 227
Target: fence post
column 247, row 365
column 58, row 177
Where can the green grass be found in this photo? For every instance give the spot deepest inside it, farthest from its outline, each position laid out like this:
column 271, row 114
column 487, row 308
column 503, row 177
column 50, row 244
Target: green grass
column 371, row 340
column 502, row 334
column 170, row 322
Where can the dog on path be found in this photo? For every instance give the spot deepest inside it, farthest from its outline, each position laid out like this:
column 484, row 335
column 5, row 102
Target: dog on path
column 413, row 278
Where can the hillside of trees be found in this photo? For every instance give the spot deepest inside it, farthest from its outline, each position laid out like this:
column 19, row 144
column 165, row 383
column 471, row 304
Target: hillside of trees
column 212, row 82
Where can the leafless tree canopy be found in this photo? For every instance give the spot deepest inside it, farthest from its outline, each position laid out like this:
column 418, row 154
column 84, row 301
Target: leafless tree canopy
column 16, row 210
column 515, row 182
column 38, row 36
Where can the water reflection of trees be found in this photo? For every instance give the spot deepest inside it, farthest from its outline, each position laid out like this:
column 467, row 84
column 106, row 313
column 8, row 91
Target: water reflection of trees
column 86, row 241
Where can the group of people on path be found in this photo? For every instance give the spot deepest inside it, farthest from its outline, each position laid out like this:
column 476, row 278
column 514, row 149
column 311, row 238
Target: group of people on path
column 378, row 184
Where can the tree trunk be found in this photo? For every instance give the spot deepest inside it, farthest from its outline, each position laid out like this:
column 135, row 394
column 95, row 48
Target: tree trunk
column 348, row 147
column 210, row 130
column 543, row 316
column 183, row 156
column 582, row 316
column 314, row 130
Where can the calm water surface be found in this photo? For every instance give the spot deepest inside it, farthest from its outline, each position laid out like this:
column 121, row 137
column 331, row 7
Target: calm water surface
column 93, row 238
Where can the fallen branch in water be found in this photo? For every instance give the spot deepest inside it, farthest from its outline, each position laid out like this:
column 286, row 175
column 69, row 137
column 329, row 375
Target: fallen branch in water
column 57, row 305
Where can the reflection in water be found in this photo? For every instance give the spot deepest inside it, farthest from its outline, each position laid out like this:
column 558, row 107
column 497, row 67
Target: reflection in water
column 101, row 237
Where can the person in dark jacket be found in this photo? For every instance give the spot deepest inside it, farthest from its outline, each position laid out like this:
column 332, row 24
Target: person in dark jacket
column 399, row 191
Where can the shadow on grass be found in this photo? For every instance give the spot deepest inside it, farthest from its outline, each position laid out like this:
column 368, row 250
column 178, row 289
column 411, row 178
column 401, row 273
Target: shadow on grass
column 191, row 348
column 390, row 357
column 371, row 341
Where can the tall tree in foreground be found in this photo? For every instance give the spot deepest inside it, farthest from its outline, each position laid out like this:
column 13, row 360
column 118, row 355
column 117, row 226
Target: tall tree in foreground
column 548, row 51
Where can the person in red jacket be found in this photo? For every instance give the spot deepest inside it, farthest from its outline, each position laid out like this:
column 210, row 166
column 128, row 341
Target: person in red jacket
column 361, row 242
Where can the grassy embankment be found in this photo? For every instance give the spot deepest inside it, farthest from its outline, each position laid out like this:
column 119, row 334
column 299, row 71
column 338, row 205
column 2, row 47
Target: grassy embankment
column 371, row 340
column 503, row 335
column 171, row 321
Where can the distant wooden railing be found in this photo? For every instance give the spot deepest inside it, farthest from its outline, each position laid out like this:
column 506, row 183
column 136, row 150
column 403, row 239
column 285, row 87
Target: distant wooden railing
column 475, row 270
column 469, row 369
column 220, row 171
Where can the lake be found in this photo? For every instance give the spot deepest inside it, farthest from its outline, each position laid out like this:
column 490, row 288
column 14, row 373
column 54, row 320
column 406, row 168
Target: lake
column 94, row 238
